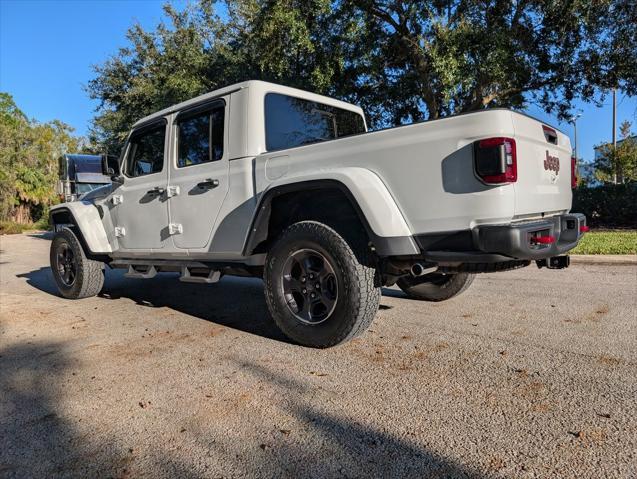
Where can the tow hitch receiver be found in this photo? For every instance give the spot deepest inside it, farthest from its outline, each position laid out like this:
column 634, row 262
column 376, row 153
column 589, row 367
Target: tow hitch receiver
column 555, row 262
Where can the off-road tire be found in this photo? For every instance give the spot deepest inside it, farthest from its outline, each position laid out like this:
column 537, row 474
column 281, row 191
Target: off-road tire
column 358, row 290
column 436, row 286
column 89, row 277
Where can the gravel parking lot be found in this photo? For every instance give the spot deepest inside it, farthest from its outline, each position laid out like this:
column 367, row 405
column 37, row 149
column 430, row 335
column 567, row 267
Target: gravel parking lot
column 529, row 374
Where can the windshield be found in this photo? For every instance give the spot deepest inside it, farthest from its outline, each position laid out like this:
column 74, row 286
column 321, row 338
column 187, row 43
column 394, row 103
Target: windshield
column 81, row 188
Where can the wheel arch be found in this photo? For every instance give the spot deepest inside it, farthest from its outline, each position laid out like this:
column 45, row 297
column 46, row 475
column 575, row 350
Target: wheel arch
column 86, row 223
column 366, row 197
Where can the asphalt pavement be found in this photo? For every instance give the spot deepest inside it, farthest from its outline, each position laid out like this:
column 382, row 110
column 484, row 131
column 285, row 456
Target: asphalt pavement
column 530, row 373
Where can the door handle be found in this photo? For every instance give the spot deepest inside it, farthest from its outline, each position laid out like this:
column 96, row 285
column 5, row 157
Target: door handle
column 157, row 190
column 208, row 184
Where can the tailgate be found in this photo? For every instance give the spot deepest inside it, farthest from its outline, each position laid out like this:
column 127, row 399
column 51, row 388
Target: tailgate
column 544, row 168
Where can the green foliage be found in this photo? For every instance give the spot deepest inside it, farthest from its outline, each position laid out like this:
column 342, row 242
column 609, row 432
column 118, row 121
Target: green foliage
column 401, row 60
column 434, row 58
column 44, row 222
column 608, row 242
column 608, row 206
column 28, row 161
column 618, row 164
column 12, row 228
column 197, row 52
column 32, row 185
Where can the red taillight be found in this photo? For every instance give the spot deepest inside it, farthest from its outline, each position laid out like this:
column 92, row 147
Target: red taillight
column 573, row 172
column 548, row 239
column 584, row 229
column 496, row 161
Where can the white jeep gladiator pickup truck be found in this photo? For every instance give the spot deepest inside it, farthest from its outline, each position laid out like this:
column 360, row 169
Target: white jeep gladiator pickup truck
column 258, row 179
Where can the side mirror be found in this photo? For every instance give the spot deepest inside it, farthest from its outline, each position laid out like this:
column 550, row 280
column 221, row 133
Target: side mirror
column 110, row 168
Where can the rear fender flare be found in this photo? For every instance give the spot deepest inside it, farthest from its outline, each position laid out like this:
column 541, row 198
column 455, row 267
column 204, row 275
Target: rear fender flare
column 371, row 199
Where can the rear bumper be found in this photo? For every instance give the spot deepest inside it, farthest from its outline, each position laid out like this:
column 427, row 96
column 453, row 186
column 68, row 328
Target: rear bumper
column 515, row 240
column 488, row 244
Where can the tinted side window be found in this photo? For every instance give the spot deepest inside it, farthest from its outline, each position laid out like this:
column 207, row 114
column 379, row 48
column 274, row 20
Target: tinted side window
column 291, row 122
column 146, row 152
column 200, row 138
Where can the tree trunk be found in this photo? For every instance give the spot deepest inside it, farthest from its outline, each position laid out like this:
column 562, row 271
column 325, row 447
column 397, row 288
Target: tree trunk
column 22, row 214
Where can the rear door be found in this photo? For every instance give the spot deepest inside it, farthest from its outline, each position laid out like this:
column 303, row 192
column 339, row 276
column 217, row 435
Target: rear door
column 141, row 211
column 544, row 168
column 198, row 173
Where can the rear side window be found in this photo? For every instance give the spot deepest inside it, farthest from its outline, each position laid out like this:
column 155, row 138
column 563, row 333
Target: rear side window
column 146, row 152
column 291, row 122
column 200, row 137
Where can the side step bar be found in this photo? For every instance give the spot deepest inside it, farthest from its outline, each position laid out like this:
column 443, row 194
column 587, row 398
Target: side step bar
column 192, row 272
column 187, row 276
column 151, row 272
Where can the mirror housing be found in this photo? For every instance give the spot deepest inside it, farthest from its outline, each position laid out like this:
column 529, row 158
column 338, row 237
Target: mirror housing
column 110, row 168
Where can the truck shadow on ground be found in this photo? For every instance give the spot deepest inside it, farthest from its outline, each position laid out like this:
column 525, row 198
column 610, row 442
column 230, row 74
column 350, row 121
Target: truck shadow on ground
column 40, row 438
column 43, row 235
column 233, row 302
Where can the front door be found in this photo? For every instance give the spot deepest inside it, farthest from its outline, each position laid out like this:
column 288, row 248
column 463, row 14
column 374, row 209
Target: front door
column 142, row 212
column 198, row 174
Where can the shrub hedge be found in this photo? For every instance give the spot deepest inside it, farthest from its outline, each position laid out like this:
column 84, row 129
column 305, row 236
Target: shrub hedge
column 608, row 206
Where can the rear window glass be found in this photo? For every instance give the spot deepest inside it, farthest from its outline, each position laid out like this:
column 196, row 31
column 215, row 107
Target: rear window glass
column 291, row 122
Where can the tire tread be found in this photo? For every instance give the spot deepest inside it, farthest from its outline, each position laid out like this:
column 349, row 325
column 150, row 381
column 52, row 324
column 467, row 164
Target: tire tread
column 90, row 273
column 364, row 293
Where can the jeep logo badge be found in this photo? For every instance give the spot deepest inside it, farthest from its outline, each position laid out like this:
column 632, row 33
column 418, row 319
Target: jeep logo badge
column 552, row 163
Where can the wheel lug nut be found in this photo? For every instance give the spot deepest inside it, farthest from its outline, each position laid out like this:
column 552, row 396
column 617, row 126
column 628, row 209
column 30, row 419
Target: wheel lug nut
column 313, row 295
column 311, row 276
column 304, row 290
column 318, row 286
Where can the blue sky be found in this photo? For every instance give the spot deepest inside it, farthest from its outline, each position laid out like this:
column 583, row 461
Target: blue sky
column 47, row 49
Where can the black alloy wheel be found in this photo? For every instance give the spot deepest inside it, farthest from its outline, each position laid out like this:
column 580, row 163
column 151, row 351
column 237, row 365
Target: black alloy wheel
column 321, row 290
column 309, row 285
column 76, row 275
column 66, row 264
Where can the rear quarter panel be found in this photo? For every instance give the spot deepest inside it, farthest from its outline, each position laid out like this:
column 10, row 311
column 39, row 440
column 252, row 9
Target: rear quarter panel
column 427, row 169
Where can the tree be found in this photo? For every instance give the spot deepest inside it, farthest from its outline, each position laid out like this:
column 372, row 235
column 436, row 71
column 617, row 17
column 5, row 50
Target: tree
column 401, row 60
column 159, row 68
column 618, row 164
column 195, row 52
column 432, row 58
column 28, row 161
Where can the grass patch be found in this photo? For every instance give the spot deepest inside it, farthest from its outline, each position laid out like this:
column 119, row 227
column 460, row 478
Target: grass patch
column 608, row 242
column 13, row 228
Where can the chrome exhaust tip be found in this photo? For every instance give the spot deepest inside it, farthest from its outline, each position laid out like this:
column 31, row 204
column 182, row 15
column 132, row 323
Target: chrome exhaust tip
column 418, row 269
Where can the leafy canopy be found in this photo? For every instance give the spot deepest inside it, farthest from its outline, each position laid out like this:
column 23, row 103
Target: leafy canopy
column 618, row 164
column 401, row 60
column 28, row 160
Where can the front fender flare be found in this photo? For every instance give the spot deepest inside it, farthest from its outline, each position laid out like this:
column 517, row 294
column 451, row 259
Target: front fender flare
column 86, row 218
